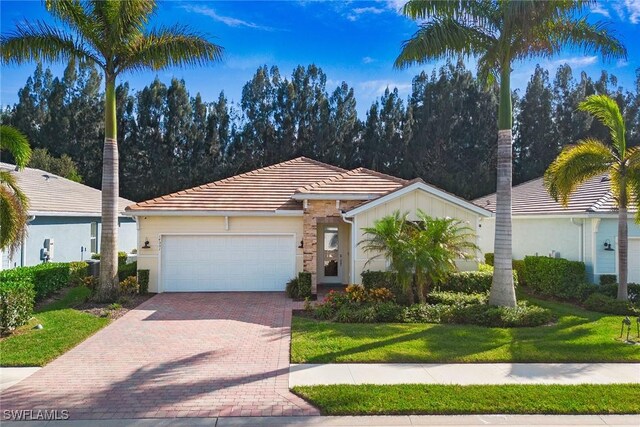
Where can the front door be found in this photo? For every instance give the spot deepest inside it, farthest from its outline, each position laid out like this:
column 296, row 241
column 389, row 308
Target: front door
column 330, row 254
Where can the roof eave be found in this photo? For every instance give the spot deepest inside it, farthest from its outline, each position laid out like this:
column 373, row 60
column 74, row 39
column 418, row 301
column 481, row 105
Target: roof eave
column 334, row 196
column 193, row 212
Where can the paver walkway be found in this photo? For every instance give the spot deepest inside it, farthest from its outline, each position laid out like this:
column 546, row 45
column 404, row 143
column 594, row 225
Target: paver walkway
column 464, row 374
column 193, row 355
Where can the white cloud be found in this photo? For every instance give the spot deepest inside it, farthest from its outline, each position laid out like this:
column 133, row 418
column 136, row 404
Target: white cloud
column 599, row 9
column 621, row 63
column 627, row 10
column 576, row 61
column 362, row 10
column 368, row 60
column 395, row 5
column 227, row 20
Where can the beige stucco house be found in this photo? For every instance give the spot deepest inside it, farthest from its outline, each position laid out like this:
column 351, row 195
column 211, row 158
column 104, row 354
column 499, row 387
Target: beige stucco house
column 257, row 230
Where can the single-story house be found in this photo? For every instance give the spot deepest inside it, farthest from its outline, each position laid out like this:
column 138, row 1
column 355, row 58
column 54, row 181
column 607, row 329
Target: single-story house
column 586, row 230
column 257, row 230
column 64, row 220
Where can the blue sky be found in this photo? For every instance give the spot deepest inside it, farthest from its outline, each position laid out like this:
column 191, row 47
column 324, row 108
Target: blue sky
column 352, row 41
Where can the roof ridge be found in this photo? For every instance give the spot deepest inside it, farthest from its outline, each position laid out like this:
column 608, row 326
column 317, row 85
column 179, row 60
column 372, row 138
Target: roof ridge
column 382, row 175
column 348, row 173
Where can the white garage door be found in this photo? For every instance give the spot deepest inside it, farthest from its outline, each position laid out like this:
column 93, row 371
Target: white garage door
column 227, row 263
column 634, row 261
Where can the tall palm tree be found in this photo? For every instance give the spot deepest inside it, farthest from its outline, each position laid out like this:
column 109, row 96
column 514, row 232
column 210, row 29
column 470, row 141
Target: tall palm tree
column 498, row 33
column 112, row 34
column 591, row 157
column 13, row 202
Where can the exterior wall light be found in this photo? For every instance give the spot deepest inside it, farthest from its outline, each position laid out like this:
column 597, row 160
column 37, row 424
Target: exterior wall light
column 301, row 245
column 607, row 245
column 146, row 244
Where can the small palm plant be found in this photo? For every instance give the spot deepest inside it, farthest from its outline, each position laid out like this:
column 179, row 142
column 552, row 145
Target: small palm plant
column 421, row 252
column 13, row 202
column 114, row 35
column 590, row 158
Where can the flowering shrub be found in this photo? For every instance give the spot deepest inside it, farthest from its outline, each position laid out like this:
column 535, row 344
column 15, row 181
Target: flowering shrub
column 359, row 294
column 129, row 285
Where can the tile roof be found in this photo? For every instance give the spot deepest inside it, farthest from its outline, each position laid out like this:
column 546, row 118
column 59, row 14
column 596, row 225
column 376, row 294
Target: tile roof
column 360, row 181
column 531, row 198
column 51, row 194
column 267, row 189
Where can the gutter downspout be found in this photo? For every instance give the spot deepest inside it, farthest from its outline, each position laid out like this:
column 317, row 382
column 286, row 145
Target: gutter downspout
column 352, row 254
column 581, row 238
column 23, row 246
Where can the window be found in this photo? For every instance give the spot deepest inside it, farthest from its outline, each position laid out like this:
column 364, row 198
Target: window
column 94, row 237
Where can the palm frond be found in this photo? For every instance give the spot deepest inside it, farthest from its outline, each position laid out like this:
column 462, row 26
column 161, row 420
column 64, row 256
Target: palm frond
column 39, row 41
column 168, row 47
column 575, row 165
column 16, row 143
column 606, row 110
column 476, row 12
column 73, row 14
column 633, row 179
column 579, row 33
column 441, row 38
column 13, row 213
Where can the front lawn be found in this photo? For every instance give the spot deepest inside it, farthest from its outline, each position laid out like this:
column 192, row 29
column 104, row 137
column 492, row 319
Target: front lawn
column 485, row 399
column 63, row 328
column 578, row 336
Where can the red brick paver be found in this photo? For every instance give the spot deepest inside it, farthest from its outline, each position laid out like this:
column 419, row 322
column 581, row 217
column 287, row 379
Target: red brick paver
column 176, row 355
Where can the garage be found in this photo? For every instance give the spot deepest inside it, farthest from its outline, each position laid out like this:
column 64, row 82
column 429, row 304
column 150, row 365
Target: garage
column 227, row 262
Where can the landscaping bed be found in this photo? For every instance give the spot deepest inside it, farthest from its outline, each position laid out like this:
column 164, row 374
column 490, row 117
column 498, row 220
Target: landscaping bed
column 430, row 399
column 578, row 335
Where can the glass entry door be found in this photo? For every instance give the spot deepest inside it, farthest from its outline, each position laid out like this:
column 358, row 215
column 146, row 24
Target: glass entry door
column 330, row 255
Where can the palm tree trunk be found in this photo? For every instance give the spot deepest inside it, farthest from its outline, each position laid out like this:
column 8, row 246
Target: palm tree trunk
column 623, row 251
column 502, row 290
column 108, row 289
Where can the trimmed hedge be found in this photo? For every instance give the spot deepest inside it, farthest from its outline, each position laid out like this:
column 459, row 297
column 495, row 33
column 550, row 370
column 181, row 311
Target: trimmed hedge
column 46, row 278
column 78, row 270
column 143, row 281
column 470, row 282
column 122, row 257
column 299, row 287
column 555, row 277
column 488, row 258
column 127, row 270
column 518, row 265
column 606, row 304
column 611, row 290
column 608, row 279
column 17, row 297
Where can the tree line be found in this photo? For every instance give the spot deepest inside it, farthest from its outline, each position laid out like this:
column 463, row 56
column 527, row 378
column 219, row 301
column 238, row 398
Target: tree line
column 444, row 133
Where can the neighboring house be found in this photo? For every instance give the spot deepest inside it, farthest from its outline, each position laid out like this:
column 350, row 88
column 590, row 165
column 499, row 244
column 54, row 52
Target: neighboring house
column 587, row 230
column 64, row 215
column 255, row 231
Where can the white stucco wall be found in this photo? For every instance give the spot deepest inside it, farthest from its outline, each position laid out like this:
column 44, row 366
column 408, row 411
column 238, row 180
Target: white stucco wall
column 410, row 202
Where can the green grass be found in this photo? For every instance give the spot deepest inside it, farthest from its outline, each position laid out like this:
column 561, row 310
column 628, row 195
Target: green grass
column 486, row 399
column 578, row 336
column 63, row 329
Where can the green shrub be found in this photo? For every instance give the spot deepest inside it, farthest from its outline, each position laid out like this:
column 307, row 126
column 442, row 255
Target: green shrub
column 16, row 302
column 518, row 267
column 470, row 282
column 488, row 258
column 608, row 279
column 299, row 287
column 122, row 257
column 556, row 277
column 427, row 313
column 129, row 285
column 127, row 270
column 455, row 298
column 78, row 270
column 46, row 278
column 611, row 290
column 143, row 281
column 384, row 279
column 606, row 304
column 485, row 268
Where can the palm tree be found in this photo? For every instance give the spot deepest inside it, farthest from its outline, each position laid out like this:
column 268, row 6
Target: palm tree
column 112, row 34
column 591, row 157
column 497, row 33
column 13, row 202
column 421, row 252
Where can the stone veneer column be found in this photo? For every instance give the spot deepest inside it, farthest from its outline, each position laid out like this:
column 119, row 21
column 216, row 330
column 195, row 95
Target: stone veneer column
column 318, row 212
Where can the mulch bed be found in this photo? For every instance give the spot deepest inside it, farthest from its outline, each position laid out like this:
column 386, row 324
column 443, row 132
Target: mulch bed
column 113, row 310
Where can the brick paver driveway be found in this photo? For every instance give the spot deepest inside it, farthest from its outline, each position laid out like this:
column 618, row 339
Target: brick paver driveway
column 191, row 355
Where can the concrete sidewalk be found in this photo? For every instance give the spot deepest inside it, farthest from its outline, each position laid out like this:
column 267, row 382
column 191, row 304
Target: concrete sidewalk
column 10, row 376
column 464, row 373
column 371, row 421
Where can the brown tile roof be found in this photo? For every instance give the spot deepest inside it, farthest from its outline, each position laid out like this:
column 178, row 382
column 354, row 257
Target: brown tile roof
column 359, row 181
column 531, row 198
column 52, row 194
column 267, row 189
